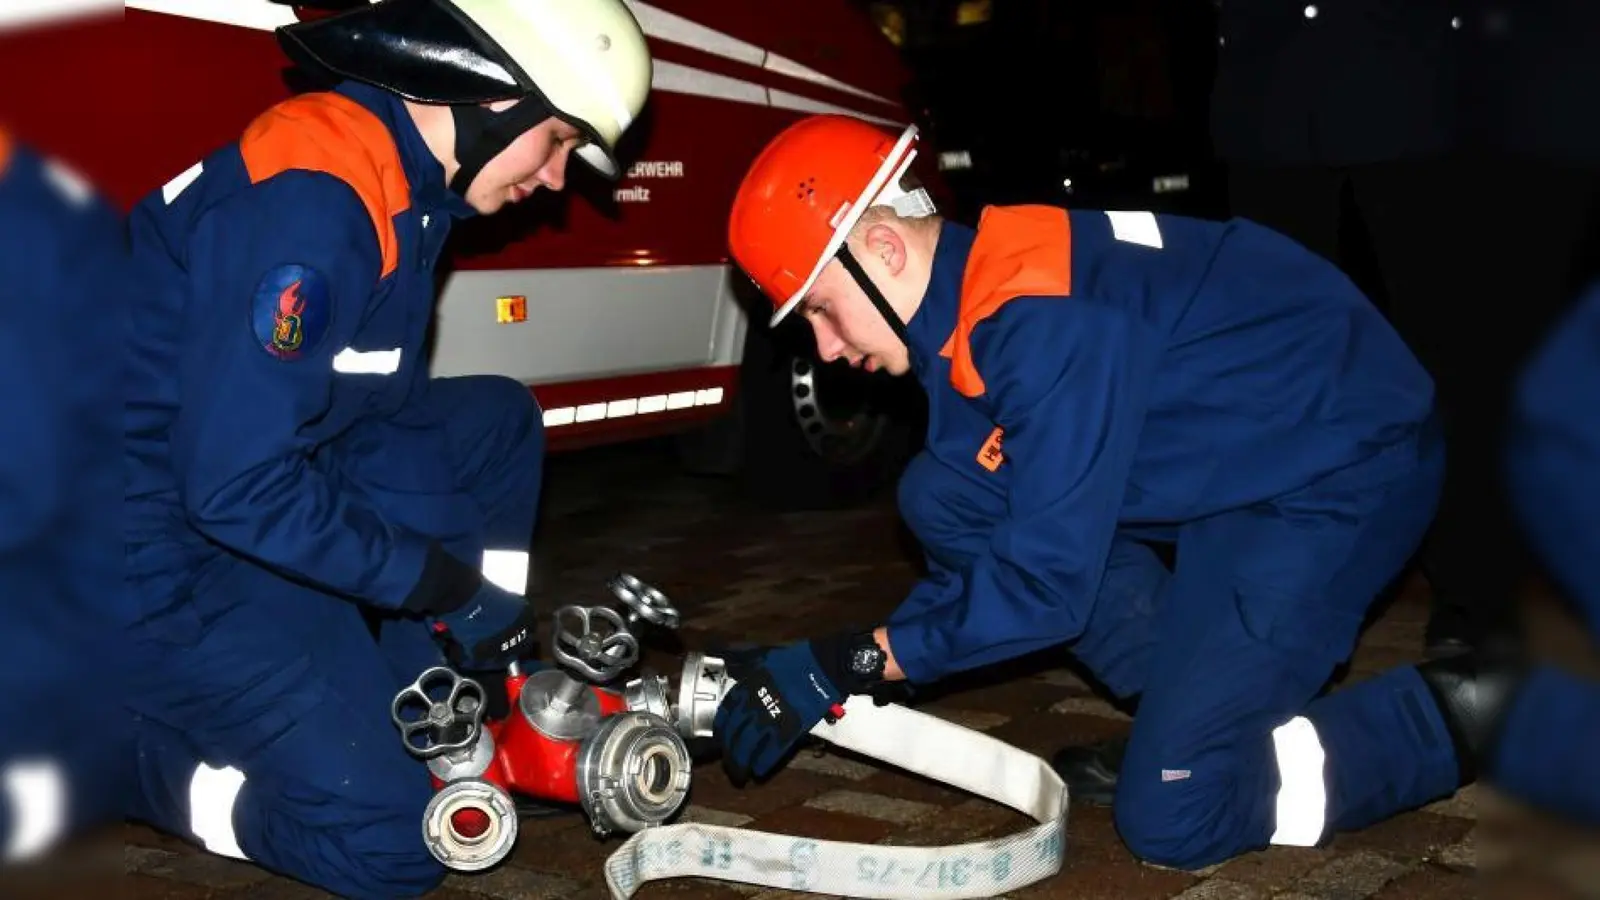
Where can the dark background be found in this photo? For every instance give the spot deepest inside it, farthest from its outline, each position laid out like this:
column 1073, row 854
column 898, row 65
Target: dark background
column 1109, row 93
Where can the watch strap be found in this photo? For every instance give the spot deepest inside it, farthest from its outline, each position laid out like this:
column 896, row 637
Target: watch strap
column 853, row 661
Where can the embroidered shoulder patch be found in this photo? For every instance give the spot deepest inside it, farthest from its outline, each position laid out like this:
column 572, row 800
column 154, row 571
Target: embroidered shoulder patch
column 290, row 311
column 990, row 456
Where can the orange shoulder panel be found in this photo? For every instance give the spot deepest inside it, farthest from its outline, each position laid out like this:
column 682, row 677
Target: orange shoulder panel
column 5, row 150
column 1020, row 251
column 332, row 134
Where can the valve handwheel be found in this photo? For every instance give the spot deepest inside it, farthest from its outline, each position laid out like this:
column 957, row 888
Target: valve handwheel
column 582, row 643
column 643, row 602
column 449, row 725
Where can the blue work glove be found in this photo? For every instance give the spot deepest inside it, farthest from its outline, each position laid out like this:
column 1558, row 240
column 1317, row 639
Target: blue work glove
column 779, row 696
column 489, row 632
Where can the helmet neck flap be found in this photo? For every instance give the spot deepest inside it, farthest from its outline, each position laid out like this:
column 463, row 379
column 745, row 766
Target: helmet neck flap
column 481, row 134
column 585, row 63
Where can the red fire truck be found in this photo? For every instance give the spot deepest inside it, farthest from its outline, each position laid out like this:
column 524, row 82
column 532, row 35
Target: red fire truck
column 615, row 302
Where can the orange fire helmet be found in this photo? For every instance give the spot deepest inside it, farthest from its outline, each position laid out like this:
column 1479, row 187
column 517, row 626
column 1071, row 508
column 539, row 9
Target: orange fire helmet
column 806, row 190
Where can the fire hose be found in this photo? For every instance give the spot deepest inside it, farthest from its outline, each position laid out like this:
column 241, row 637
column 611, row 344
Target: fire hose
column 622, row 757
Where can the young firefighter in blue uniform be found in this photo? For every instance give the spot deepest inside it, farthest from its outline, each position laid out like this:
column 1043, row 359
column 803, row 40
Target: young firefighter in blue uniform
column 63, row 273
column 1551, row 728
column 1095, row 381
column 292, row 464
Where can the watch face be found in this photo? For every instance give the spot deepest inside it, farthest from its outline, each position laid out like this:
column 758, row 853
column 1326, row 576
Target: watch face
column 867, row 660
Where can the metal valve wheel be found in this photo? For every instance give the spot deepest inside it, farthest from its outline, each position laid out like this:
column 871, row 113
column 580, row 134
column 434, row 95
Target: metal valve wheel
column 450, row 725
column 582, row 643
column 642, row 602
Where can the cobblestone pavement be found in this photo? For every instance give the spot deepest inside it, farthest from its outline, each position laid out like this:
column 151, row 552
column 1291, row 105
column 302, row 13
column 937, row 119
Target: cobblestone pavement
column 740, row 573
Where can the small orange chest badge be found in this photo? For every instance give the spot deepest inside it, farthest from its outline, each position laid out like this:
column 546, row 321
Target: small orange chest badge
column 990, row 455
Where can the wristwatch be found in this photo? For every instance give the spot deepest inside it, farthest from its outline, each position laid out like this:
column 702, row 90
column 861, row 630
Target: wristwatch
column 867, row 660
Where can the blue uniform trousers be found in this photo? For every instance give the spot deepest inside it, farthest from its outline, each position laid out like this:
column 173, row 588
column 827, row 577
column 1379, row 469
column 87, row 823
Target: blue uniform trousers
column 1550, row 742
column 1551, row 737
column 284, row 684
column 1239, row 640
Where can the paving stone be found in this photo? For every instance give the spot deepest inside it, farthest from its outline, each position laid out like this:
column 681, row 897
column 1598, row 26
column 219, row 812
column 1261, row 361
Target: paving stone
column 874, row 806
column 1353, row 877
column 739, row 573
column 64, row 873
column 136, row 858
column 451, row 893
column 1462, row 855
column 281, row 889
column 696, row 889
column 1203, row 872
column 1371, row 660
column 973, row 820
column 1044, row 735
column 1105, row 871
column 1017, row 697
column 1430, row 883
column 905, row 786
column 816, row 822
column 1273, row 869
column 1463, row 804
column 833, row 765
column 1089, row 706
column 145, row 836
column 975, row 719
column 1222, row 889
column 1064, row 678
column 1413, row 836
column 149, row 887
column 199, row 868
column 515, row 883
column 572, row 851
column 787, row 787
column 707, row 816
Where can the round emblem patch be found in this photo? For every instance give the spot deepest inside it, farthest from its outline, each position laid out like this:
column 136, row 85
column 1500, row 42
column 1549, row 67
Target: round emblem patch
column 291, row 310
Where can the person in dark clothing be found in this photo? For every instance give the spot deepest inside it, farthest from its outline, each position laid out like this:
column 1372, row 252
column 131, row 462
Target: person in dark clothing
column 1374, row 111
column 1445, row 129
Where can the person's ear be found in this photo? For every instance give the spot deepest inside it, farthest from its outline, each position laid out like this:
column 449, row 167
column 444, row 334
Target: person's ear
column 888, row 246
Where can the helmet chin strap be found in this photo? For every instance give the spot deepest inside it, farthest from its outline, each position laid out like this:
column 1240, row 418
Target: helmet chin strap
column 912, row 204
column 848, row 260
column 481, row 134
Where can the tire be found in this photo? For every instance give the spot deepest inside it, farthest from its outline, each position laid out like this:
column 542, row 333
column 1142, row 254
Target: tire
column 817, row 436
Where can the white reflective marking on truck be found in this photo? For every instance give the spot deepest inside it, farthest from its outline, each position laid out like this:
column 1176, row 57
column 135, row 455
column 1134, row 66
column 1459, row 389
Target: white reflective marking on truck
column 632, row 406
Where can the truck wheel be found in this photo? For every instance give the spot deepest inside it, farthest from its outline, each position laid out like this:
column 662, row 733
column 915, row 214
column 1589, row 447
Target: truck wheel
column 819, row 436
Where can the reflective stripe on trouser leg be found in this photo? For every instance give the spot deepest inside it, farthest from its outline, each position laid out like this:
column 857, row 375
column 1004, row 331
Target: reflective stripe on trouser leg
column 1303, row 794
column 36, row 793
column 506, row 569
column 212, row 793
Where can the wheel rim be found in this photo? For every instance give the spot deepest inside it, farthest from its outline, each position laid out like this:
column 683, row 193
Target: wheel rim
column 841, row 429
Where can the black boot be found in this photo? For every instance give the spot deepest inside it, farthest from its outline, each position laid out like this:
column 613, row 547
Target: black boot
column 1474, row 692
column 1450, row 632
column 1091, row 770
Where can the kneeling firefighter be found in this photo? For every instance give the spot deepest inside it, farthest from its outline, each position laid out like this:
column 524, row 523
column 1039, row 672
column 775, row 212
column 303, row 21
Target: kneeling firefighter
column 1099, row 384
column 292, row 466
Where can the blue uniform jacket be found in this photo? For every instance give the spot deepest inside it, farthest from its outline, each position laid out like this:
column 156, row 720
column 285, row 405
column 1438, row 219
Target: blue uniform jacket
column 1090, row 371
column 63, row 281
column 1554, row 453
column 294, row 287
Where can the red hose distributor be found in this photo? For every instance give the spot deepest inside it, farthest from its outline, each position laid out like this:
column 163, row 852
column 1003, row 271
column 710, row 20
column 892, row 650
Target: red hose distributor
column 616, row 755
